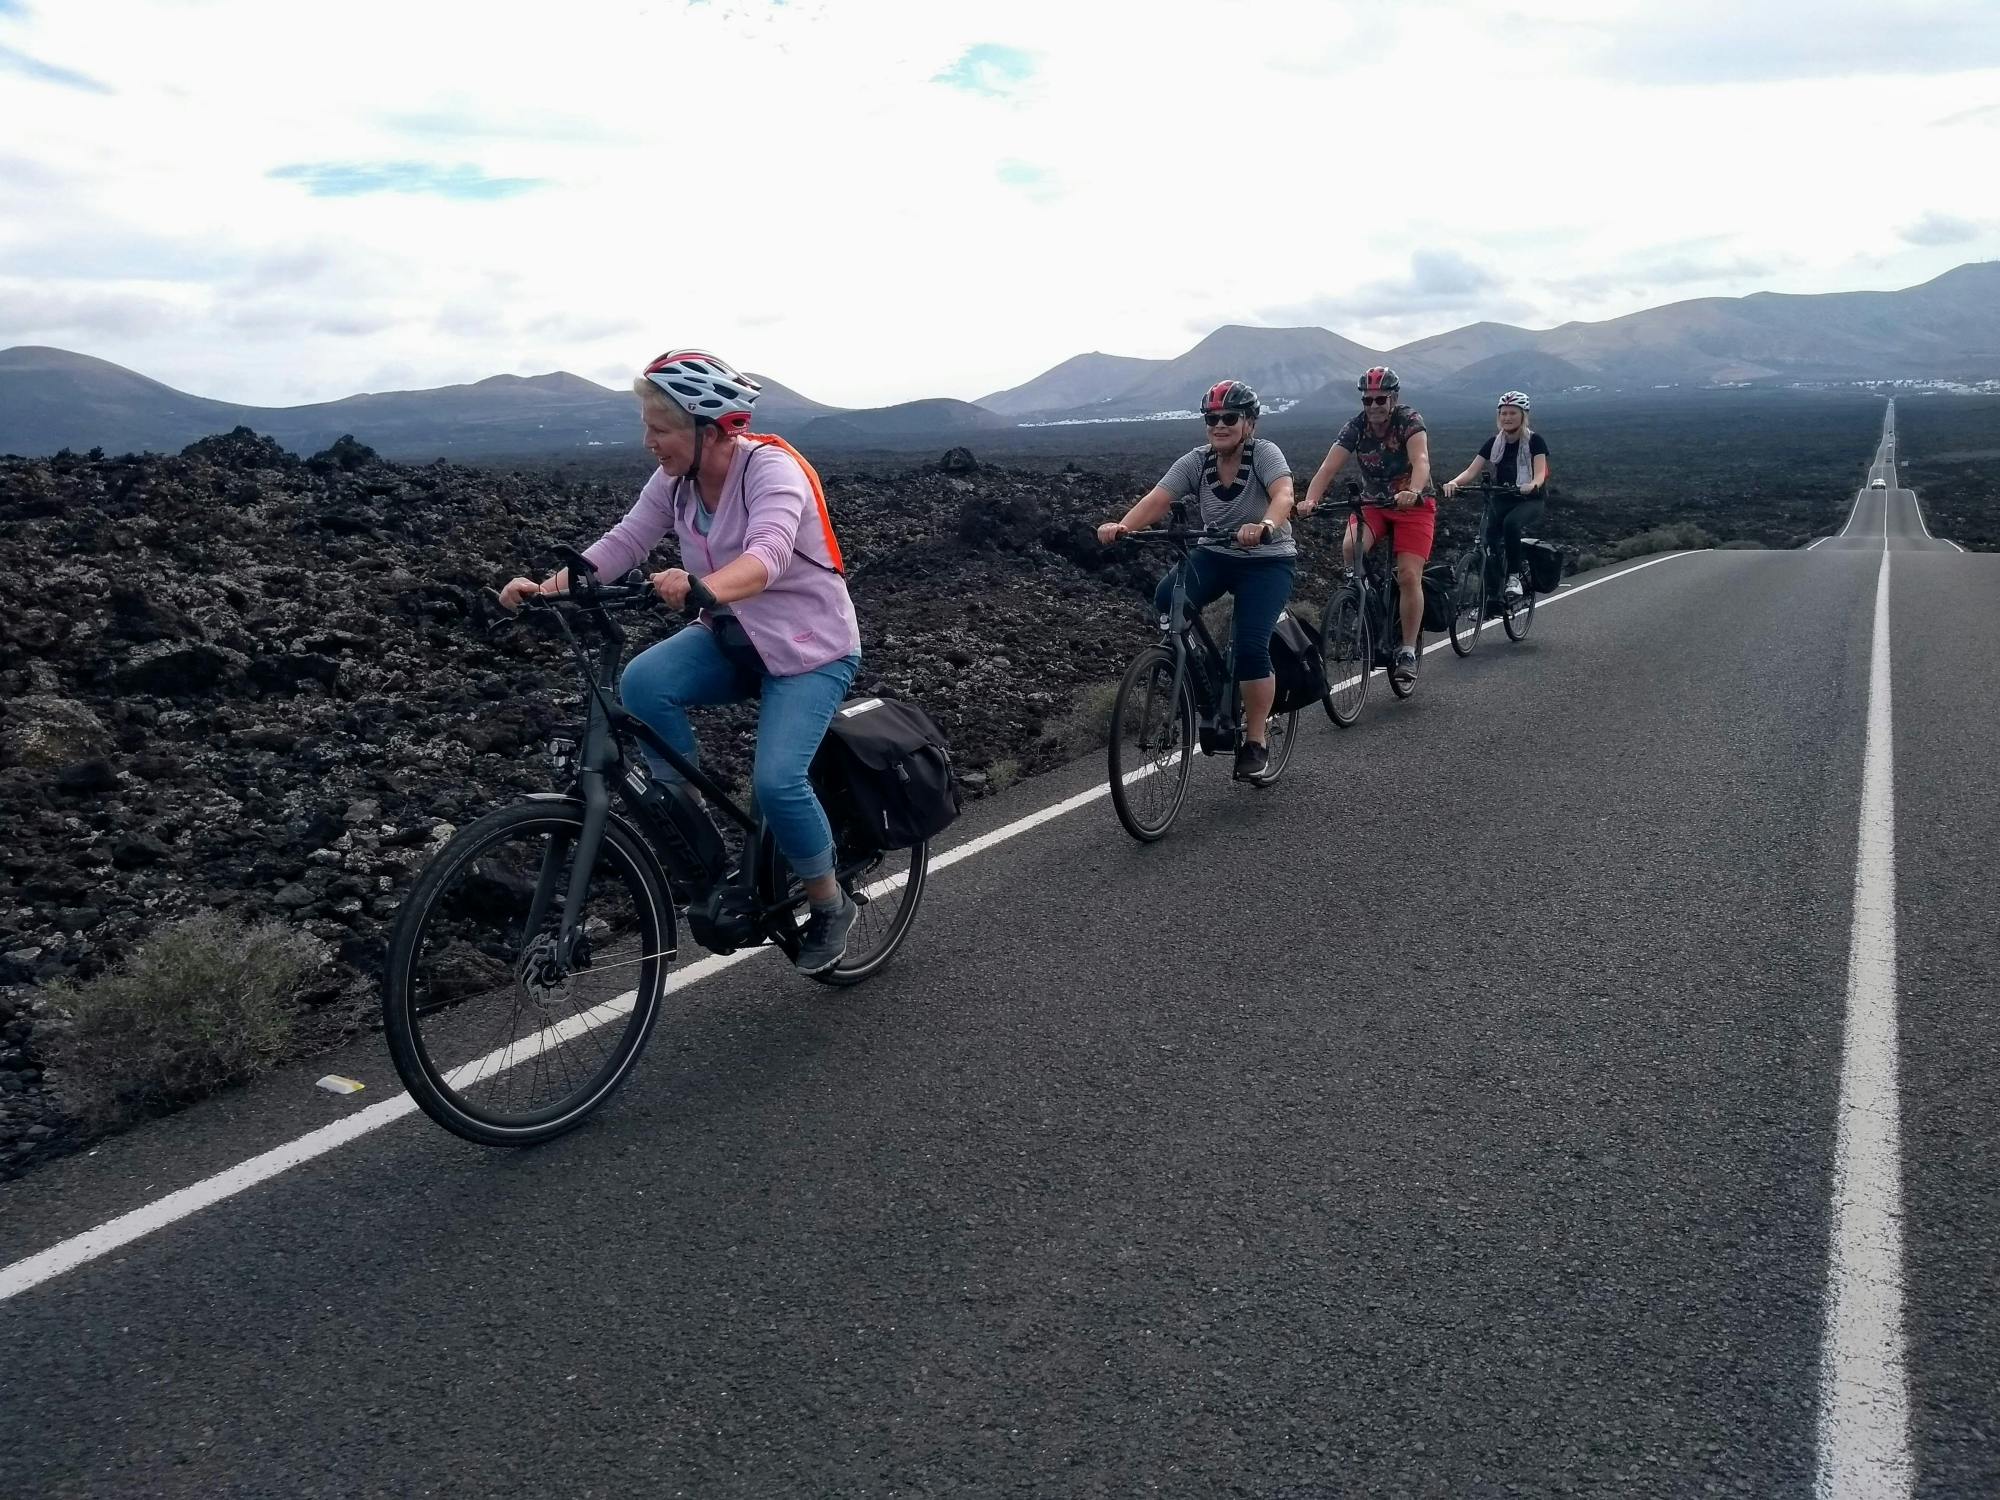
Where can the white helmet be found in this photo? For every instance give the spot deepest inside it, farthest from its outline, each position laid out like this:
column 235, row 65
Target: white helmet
column 705, row 387
column 1513, row 398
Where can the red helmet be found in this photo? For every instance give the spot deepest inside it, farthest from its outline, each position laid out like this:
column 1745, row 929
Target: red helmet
column 1380, row 378
column 705, row 387
column 1232, row 395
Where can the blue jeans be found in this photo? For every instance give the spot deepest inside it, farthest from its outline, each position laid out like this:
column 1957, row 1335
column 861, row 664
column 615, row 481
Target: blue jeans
column 688, row 670
column 1261, row 586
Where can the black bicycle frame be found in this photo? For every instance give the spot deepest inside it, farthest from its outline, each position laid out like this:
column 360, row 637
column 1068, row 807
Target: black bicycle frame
column 1180, row 621
column 607, row 723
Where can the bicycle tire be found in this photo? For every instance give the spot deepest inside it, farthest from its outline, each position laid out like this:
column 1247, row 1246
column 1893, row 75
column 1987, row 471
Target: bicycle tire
column 1468, row 602
column 1519, row 615
column 869, row 879
column 440, row 1000
column 1404, row 689
column 1144, row 688
column 1349, row 655
column 1281, row 737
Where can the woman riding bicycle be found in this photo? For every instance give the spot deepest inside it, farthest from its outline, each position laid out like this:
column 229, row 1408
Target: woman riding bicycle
column 1390, row 443
column 1516, row 455
column 782, row 627
column 1241, row 480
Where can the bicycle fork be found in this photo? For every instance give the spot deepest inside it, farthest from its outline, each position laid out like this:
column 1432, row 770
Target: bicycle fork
column 596, row 813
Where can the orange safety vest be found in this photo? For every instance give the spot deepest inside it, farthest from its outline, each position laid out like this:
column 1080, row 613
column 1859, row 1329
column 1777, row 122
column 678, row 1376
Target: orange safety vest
column 772, row 440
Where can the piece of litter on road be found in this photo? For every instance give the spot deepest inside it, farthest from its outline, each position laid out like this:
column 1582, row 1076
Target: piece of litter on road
column 333, row 1083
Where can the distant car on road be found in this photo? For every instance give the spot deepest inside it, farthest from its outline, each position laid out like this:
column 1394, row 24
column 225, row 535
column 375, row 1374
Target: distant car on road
column 1878, row 484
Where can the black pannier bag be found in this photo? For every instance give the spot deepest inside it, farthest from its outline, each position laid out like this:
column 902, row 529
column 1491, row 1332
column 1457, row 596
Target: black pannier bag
column 1545, row 564
column 1439, row 582
column 884, row 775
column 1297, row 663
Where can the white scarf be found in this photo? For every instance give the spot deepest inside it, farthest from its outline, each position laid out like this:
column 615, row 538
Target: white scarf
column 1524, row 463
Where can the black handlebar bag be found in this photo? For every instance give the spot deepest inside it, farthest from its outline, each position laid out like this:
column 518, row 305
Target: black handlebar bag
column 884, row 775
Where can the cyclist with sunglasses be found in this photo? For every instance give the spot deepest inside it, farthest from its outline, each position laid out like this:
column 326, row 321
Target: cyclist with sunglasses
column 1240, row 480
column 781, row 629
column 1388, row 440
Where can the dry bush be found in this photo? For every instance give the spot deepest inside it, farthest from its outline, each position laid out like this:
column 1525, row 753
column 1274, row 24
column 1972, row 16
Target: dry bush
column 1087, row 726
column 207, row 1001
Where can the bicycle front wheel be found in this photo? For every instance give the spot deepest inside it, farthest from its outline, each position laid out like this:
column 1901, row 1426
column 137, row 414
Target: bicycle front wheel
column 1347, row 649
column 1152, row 745
column 498, row 1034
column 1468, row 602
column 1519, row 615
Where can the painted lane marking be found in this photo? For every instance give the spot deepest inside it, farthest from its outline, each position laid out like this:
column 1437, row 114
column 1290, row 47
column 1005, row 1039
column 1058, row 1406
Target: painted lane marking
column 1864, row 1404
column 114, row 1233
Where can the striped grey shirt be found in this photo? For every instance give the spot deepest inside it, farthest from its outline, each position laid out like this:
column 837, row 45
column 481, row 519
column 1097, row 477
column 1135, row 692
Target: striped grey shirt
column 1243, row 503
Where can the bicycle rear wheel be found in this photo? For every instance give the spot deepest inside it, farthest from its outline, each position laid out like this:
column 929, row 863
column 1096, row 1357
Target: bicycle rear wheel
column 498, row 1036
column 1348, row 652
column 1281, row 735
column 886, row 887
column 1519, row 615
column 1152, row 745
column 1468, row 601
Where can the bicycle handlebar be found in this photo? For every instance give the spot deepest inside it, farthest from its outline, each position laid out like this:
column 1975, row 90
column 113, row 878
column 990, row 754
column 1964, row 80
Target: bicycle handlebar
column 1180, row 534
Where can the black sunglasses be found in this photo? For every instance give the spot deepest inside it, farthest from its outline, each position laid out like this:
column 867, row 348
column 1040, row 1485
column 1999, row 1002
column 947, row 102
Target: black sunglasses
column 1222, row 418
column 1376, row 400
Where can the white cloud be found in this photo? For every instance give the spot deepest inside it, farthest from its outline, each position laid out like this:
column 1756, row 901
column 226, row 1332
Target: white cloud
column 879, row 199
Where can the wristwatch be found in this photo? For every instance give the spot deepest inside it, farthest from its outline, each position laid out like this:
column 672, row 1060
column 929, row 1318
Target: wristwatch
column 1267, row 529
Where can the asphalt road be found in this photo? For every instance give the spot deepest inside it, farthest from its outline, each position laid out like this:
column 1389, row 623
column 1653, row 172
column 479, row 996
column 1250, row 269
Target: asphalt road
column 1455, row 1118
column 1887, row 517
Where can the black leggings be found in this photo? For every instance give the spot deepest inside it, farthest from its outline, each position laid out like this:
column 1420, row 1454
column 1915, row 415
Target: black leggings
column 1510, row 519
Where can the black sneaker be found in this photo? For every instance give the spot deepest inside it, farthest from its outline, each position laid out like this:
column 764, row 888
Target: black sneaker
column 1404, row 669
column 825, row 941
column 1251, row 760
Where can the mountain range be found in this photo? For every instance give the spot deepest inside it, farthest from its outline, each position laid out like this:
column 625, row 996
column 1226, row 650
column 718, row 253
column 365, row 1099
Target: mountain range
column 1945, row 328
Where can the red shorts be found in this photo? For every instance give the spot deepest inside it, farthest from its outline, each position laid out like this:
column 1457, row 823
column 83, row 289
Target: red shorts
column 1412, row 530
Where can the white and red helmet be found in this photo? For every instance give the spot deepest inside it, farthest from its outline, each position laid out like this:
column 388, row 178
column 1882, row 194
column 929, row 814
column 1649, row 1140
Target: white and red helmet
column 1377, row 379
column 705, row 387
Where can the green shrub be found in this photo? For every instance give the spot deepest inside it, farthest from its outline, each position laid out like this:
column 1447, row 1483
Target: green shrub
column 1682, row 538
column 1003, row 774
column 205, row 1002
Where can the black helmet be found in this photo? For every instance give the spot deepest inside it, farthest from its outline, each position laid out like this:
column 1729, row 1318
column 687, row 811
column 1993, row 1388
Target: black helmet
column 1380, row 378
column 1231, row 395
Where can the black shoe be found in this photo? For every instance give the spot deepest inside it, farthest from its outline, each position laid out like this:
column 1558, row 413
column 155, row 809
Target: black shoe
column 825, row 941
column 1405, row 668
column 1251, row 760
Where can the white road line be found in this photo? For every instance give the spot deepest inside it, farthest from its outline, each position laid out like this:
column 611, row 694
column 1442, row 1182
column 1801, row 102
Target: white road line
column 114, row 1233
column 1815, row 544
column 1864, row 1403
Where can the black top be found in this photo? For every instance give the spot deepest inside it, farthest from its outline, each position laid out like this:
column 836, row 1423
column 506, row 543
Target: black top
column 1503, row 471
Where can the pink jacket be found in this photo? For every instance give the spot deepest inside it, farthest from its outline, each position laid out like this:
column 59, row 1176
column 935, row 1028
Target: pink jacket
column 804, row 618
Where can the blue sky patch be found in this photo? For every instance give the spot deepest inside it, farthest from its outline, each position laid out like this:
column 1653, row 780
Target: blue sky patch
column 12, row 61
column 989, row 68
column 337, row 179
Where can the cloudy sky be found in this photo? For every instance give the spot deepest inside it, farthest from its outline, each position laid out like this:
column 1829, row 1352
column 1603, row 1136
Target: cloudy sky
column 874, row 200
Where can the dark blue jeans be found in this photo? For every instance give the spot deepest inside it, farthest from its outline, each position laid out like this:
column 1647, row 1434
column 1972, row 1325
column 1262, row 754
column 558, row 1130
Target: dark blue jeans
column 1260, row 585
